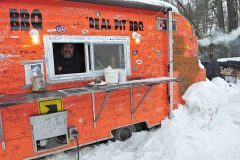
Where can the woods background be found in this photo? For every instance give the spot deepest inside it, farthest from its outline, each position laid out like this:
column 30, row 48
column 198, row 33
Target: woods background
column 210, row 18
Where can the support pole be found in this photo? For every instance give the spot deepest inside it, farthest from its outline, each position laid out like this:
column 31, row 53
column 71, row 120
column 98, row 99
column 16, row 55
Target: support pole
column 143, row 98
column 96, row 115
column 102, row 107
column 94, row 109
column 131, row 101
column 170, row 50
column 134, row 109
column 1, row 133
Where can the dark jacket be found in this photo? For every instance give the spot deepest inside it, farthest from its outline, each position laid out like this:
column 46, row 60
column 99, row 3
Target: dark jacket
column 76, row 64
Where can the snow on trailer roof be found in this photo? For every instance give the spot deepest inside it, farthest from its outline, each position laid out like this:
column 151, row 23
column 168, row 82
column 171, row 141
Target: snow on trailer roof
column 237, row 59
column 233, row 62
column 155, row 5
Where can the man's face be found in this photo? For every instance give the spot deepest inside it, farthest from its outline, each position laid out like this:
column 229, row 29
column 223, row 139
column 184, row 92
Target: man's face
column 67, row 51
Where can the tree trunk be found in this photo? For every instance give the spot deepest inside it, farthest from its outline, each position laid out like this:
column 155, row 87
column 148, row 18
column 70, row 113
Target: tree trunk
column 236, row 11
column 220, row 16
column 232, row 16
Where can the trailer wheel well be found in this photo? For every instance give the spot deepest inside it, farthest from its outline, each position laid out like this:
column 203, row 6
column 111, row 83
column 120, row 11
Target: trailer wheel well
column 125, row 132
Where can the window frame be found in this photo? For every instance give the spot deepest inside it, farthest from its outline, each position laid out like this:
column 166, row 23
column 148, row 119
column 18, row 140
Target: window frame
column 28, row 71
column 105, row 43
column 89, row 42
column 165, row 19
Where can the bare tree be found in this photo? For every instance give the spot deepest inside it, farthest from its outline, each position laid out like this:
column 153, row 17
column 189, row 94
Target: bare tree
column 236, row 4
column 232, row 15
column 220, row 16
column 186, row 11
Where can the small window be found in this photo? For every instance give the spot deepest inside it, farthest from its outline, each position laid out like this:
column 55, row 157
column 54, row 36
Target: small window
column 71, row 58
column 162, row 24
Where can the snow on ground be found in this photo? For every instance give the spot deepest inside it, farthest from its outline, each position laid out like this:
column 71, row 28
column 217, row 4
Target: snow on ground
column 206, row 128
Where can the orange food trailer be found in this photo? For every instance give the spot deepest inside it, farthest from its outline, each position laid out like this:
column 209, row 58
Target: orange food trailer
column 53, row 59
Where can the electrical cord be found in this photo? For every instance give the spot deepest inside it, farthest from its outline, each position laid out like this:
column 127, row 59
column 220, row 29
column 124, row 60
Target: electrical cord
column 77, row 148
column 74, row 134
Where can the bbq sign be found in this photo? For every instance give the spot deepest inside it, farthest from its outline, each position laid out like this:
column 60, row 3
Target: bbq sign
column 106, row 24
column 24, row 20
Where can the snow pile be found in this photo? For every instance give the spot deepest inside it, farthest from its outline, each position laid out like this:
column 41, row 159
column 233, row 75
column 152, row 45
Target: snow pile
column 200, row 64
column 220, row 38
column 201, row 97
column 207, row 128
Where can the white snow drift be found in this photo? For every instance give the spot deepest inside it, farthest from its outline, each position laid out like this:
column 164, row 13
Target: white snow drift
column 206, row 128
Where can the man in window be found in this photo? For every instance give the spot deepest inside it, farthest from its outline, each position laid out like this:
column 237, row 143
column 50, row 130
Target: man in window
column 68, row 60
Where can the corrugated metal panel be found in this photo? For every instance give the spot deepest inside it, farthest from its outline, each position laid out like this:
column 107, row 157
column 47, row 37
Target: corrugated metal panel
column 128, row 4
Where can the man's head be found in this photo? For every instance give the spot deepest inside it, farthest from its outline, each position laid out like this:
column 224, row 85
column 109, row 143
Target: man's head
column 67, row 50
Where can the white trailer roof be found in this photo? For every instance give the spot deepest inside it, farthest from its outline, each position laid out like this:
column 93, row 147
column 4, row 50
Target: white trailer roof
column 155, row 5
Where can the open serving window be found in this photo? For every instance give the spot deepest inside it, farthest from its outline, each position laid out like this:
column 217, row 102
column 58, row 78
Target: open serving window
column 70, row 58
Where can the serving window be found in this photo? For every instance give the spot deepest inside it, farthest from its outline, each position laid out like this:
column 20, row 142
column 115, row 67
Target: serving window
column 108, row 55
column 70, row 58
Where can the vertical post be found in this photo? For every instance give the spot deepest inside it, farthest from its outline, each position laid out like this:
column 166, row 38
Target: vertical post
column 170, row 53
column 131, row 101
column 94, row 109
column 1, row 133
column 92, row 64
column 86, row 57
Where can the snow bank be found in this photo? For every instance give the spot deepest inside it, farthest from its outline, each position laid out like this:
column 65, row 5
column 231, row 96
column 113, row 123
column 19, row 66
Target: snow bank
column 200, row 64
column 207, row 128
column 202, row 96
